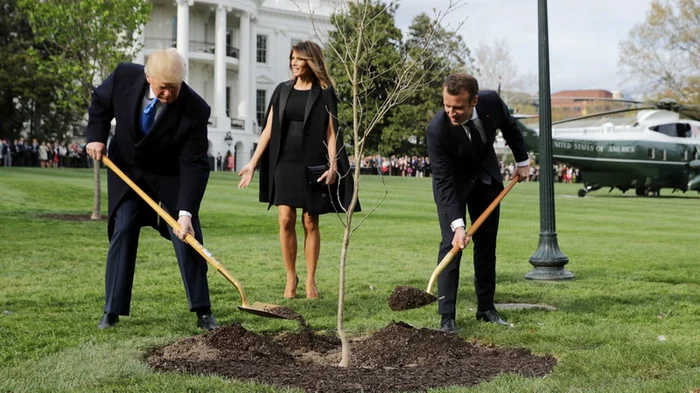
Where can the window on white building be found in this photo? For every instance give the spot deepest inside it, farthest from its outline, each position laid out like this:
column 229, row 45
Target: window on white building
column 173, row 29
column 261, row 56
column 228, row 101
column 230, row 50
column 260, row 107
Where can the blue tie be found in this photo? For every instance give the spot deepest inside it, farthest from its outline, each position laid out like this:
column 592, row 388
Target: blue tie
column 148, row 116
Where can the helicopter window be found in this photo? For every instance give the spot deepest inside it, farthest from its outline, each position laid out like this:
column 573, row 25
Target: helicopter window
column 681, row 130
column 650, row 152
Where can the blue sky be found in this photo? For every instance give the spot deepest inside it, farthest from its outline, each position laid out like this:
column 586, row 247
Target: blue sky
column 584, row 35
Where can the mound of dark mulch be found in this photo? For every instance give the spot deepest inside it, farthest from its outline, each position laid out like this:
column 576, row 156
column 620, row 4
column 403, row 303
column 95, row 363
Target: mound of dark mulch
column 406, row 298
column 396, row 358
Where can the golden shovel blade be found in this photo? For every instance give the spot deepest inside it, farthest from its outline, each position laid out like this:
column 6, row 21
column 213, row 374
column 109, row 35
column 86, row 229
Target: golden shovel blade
column 270, row 311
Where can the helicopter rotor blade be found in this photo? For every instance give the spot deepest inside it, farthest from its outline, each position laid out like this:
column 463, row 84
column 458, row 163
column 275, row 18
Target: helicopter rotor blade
column 620, row 100
column 594, row 115
column 690, row 112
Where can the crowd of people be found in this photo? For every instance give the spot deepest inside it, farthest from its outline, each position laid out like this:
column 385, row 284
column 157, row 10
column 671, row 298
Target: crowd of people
column 44, row 154
column 72, row 155
column 415, row 166
column 412, row 166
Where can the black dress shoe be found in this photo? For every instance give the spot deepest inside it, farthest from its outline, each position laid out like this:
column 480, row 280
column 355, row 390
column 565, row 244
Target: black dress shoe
column 206, row 322
column 491, row 316
column 107, row 321
column 448, row 325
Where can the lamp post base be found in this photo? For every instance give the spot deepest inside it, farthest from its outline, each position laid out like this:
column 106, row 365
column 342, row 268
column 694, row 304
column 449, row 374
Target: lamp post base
column 549, row 261
column 549, row 274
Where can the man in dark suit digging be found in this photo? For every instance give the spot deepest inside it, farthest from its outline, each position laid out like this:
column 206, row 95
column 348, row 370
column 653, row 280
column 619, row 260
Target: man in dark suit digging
column 466, row 175
column 160, row 142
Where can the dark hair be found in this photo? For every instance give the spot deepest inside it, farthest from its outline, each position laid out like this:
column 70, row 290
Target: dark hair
column 312, row 53
column 460, row 81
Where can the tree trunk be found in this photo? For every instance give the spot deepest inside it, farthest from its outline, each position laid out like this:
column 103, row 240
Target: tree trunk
column 98, row 192
column 345, row 347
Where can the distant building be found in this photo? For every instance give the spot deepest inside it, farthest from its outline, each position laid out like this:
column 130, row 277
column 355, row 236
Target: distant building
column 573, row 103
column 237, row 51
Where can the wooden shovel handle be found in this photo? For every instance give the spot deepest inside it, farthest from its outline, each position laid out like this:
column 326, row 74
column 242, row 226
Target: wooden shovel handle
column 189, row 239
column 456, row 249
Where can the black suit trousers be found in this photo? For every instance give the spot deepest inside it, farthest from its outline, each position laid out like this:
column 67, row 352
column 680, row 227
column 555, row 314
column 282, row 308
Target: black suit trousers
column 121, row 259
column 484, row 244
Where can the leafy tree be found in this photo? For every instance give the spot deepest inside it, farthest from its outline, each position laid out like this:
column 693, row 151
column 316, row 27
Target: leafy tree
column 85, row 40
column 372, row 92
column 446, row 53
column 28, row 95
column 376, row 68
column 497, row 71
column 664, row 50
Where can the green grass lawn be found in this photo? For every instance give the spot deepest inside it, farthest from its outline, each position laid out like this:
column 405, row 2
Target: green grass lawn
column 636, row 261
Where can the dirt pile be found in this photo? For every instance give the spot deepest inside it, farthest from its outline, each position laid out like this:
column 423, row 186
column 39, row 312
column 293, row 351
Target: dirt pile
column 406, row 298
column 396, row 358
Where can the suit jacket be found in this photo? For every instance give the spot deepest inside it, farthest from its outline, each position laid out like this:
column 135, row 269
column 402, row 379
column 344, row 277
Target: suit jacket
column 321, row 106
column 170, row 162
column 454, row 164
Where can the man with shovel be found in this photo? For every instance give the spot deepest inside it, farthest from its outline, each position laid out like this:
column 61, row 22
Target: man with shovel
column 466, row 175
column 160, row 141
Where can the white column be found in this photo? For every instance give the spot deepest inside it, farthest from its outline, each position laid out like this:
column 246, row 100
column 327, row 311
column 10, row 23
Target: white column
column 183, row 29
column 253, row 76
column 244, row 61
column 277, row 53
column 140, row 57
column 220, row 69
column 280, row 56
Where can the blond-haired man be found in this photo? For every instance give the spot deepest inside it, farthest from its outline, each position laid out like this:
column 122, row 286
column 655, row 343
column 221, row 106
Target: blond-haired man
column 160, row 141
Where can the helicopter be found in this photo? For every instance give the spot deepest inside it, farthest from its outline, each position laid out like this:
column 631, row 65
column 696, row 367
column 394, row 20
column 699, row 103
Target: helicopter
column 653, row 150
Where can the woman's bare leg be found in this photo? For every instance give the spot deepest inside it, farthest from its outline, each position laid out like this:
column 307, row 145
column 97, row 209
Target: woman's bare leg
column 312, row 248
column 288, row 241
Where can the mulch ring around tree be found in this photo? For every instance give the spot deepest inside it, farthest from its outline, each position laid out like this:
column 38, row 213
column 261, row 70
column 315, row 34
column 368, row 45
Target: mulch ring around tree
column 69, row 217
column 396, row 358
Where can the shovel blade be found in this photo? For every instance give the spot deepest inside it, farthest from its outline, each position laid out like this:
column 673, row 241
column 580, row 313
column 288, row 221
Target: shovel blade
column 407, row 298
column 269, row 311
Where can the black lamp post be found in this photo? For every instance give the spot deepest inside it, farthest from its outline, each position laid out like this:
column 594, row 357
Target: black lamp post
column 228, row 139
column 548, row 260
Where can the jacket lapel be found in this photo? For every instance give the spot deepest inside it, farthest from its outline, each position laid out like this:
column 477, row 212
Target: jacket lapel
column 284, row 96
column 313, row 95
column 487, row 123
column 134, row 95
column 458, row 135
column 462, row 139
column 168, row 119
column 163, row 123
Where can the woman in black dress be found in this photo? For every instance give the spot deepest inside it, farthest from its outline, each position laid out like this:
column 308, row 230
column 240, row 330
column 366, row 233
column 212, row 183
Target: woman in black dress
column 301, row 156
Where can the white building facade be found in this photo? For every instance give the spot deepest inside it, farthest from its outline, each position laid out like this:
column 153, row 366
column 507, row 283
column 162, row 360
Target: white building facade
column 237, row 52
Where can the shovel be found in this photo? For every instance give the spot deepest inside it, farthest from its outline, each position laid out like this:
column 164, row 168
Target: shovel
column 406, row 298
column 257, row 308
